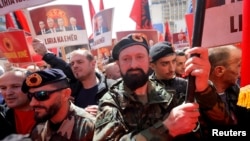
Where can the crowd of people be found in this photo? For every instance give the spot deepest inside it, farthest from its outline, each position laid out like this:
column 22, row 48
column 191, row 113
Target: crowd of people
column 140, row 96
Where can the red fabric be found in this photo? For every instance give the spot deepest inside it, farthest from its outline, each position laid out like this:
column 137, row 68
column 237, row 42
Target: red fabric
column 161, row 38
column 24, row 121
column 9, row 21
column 101, row 5
column 15, row 44
column 141, row 15
column 167, row 33
column 22, row 20
column 91, row 10
column 189, row 22
column 245, row 67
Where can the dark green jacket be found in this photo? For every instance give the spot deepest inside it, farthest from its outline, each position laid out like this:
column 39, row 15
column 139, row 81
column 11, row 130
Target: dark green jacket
column 122, row 117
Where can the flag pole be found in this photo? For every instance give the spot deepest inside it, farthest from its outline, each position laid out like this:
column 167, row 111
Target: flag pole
column 200, row 7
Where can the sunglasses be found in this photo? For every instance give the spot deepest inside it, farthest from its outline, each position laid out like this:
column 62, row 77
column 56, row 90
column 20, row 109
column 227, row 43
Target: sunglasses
column 42, row 95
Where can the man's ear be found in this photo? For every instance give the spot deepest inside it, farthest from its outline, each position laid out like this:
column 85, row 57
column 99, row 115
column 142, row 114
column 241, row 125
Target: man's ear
column 152, row 66
column 66, row 94
column 219, row 70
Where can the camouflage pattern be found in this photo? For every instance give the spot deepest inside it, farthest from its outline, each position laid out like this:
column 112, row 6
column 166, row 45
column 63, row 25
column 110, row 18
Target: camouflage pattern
column 78, row 126
column 17, row 137
column 122, row 117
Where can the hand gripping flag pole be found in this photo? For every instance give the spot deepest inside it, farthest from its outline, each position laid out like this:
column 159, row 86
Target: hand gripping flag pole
column 200, row 6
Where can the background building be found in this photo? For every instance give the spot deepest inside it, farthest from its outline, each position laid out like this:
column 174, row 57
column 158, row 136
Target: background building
column 171, row 11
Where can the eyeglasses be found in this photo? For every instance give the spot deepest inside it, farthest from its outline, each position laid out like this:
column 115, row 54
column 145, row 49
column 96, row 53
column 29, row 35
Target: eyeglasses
column 42, row 95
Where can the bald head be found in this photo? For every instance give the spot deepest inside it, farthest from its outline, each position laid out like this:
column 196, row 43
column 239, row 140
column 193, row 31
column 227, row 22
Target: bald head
column 112, row 71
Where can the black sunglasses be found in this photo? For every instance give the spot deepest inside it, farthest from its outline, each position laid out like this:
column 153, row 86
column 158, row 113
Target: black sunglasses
column 42, row 95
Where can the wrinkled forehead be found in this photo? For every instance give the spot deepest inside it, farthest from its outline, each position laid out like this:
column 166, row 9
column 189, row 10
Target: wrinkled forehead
column 133, row 50
column 10, row 78
column 14, row 73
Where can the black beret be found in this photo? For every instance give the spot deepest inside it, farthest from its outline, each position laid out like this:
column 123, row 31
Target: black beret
column 129, row 40
column 41, row 78
column 160, row 50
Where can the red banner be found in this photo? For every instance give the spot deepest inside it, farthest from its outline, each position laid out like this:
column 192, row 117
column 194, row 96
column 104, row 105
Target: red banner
column 15, row 47
column 245, row 67
column 190, row 22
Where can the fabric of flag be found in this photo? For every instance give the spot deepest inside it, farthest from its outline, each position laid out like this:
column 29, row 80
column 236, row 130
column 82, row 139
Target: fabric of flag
column 101, row 5
column 245, row 66
column 17, row 20
column 21, row 20
column 91, row 10
column 244, row 95
column 92, row 13
column 9, row 21
column 141, row 15
column 168, row 36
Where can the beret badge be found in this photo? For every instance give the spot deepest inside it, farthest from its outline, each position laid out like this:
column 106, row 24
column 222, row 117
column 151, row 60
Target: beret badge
column 138, row 37
column 33, row 80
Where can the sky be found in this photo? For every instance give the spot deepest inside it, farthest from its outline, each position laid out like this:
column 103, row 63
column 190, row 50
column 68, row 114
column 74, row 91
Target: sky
column 122, row 8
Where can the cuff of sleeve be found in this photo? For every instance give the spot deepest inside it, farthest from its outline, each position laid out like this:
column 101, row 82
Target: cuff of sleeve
column 158, row 129
column 48, row 56
column 207, row 98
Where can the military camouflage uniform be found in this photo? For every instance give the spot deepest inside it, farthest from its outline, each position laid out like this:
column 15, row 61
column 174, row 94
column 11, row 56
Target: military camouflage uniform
column 122, row 117
column 78, row 126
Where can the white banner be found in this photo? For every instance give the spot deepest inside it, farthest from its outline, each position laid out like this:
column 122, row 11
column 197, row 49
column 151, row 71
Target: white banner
column 58, row 25
column 223, row 25
column 102, row 27
column 7, row 6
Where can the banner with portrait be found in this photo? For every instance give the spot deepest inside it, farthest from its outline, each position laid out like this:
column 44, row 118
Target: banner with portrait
column 151, row 34
column 59, row 25
column 180, row 40
column 102, row 29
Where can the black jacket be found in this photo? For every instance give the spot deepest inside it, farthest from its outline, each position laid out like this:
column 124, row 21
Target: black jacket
column 7, row 121
column 76, row 85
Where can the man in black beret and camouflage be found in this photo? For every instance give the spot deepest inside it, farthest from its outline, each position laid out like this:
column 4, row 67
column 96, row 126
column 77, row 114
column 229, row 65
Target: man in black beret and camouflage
column 137, row 108
column 163, row 63
column 57, row 118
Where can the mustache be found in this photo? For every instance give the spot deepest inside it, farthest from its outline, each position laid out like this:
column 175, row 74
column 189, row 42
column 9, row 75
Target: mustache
column 131, row 70
column 41, row 107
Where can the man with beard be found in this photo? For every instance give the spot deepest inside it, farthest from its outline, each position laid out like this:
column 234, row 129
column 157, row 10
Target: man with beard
column 87, row 84
column 57, row 118
column 138, row 108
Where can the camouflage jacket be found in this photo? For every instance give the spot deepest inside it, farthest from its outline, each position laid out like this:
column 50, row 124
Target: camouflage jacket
column 122, row 117
column 78, row 126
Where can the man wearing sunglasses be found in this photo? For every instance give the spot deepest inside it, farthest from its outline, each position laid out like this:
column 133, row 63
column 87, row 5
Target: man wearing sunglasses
column 57, row 118
column 88, row 85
